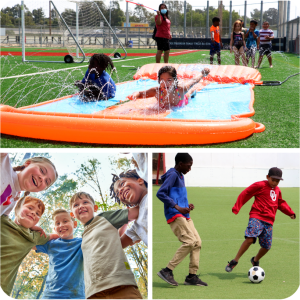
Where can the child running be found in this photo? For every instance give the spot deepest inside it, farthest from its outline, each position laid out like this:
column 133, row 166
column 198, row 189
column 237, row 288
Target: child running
column 237, row 43
column 251, row 44
column 131, row 190
column 216, row 42
column 265, row 38
column 177, row 208
column 107, row 273
column 170, row 93
column 17, row 239
column 35, row 175
column 267, row 200
column 65, row 275
column 97, row 84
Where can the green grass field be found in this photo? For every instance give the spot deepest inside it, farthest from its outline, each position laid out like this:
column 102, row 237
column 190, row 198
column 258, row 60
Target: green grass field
column 276, row 107
column 222, row 233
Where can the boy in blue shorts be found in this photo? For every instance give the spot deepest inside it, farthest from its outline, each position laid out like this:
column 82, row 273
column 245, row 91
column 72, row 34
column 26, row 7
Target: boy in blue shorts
column 216, row 42
column 262, row 215
column 177, row 208
column 65, row 276
column 251, row 45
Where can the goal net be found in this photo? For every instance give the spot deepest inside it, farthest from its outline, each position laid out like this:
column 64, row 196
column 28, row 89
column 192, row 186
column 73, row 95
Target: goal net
column 67, row 30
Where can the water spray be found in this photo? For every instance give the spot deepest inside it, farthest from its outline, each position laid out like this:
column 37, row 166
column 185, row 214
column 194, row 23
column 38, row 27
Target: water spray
column 141, row 5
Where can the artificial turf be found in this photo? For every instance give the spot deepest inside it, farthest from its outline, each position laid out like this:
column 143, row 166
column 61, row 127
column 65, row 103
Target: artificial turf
column 276, row 107
column 222, row 233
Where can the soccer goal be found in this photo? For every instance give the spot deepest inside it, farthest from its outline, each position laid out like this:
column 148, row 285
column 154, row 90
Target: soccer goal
column 66, row 31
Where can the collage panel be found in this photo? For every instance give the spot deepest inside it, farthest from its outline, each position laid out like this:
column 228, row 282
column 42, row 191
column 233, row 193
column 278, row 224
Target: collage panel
column 214, row 224
column 74, row 225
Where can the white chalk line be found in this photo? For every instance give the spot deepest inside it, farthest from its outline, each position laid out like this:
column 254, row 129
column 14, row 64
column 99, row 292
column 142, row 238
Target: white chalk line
column 53, row 71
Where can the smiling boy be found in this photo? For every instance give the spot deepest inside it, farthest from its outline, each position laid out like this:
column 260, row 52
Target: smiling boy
column 131, row 190
column 65, row 278
column 107, row 273
column 268, row 200
column 17, row 239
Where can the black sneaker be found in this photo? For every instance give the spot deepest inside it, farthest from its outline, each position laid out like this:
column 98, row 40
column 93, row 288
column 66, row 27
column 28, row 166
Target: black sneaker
column 254, row 263
column 195, row 280
column 167, row 276
column 231, row 265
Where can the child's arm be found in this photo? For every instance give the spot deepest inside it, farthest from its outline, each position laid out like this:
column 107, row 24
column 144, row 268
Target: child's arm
column 133, row 213
column 188, row 84
column 231, row 42
column 53, row 236
column 247, row 33
column 123, row 229
column 258, row 41
column 212, row 36
column 38, row 229
column 245, row 196
column 244, row 40
column 143, row 94
column 285, row 208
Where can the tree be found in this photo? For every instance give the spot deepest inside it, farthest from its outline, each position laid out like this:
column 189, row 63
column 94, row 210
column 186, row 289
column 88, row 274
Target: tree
column 38, row 16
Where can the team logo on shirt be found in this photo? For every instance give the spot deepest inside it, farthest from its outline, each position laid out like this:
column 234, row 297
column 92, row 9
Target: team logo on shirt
column 273, row 195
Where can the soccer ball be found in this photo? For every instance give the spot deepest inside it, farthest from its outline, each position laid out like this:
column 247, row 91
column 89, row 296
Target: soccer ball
column 256, row 274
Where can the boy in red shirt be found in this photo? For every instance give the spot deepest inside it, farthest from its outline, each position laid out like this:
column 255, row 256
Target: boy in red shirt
column 216, row 42
column 262, row 215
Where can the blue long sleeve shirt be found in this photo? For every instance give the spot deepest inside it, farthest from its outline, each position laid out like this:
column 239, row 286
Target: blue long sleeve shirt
column 173, row 192
column 105, row 81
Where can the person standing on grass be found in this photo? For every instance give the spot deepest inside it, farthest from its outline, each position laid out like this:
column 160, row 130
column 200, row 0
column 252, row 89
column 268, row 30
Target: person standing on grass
column 177, row 212
column 163, row 33
column 237, row 43
column 267, row 200
column 216, row 42
column 252, row 34
column 264, row 43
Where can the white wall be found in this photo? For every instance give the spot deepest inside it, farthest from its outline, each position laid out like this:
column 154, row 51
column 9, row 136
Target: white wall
column 238, row 169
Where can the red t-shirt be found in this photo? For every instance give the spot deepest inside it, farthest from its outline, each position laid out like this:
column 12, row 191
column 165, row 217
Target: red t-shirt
column 266, row 202
column 163, row 30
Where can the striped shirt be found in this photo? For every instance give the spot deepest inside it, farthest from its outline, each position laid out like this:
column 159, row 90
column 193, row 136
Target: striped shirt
column 263, row 33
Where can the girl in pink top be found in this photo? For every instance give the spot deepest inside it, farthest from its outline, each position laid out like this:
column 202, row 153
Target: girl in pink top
column 170, row 92
column 163, row 33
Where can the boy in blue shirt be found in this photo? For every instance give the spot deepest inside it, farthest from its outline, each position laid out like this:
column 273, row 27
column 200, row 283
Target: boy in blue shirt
column 251, row 45
column 65, row 276
column 176, row 207
column 97, row 84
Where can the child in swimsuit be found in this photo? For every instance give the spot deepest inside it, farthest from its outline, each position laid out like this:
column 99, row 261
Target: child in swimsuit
column 170, row 92
column 237, row 43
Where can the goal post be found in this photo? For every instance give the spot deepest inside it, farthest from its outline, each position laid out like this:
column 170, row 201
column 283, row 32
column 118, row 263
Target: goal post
column 74, row 33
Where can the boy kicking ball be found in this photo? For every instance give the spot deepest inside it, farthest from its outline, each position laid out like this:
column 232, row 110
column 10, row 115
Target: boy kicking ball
column 177, row 208
column 262, row 215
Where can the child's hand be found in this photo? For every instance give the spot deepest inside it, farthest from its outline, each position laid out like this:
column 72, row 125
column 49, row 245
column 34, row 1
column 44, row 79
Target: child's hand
column 191, row 206
column 183, row 210
column 38, row 229
column 134, row 96
column 293, row 217
column 53, row 236
column 205, row 71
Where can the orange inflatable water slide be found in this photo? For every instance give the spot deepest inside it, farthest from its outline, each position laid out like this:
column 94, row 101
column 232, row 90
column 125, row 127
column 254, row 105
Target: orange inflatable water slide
column 138, row 122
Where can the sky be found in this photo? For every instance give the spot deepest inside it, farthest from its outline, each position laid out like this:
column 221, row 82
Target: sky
column 238, row 5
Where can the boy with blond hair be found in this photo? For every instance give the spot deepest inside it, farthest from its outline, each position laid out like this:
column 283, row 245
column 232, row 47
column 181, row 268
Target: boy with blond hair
column 65, row 275
column 17, row 239
column 107, row 273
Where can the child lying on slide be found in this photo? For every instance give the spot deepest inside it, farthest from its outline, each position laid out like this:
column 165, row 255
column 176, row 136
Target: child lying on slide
column 170, row 92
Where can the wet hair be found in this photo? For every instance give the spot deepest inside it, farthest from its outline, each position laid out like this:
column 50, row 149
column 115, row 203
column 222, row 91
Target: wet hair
column 59, row 211
column 253, row 21
column 36, row 159
column 167, row 14
column 171, row 71
column 80, row 195
column 182, row 157
column 101, row 61
column 25, row 200
column 127, row 174
column 215, row 19
column 235, row 23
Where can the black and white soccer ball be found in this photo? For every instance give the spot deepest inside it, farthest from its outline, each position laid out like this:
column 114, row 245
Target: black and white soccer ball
column 256, row 274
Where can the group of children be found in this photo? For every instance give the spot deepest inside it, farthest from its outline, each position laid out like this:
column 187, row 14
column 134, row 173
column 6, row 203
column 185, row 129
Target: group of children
column 177, row 209
column 243, row 41
column 94, row 266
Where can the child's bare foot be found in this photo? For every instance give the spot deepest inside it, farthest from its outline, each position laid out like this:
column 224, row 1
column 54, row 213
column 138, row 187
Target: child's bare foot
column 271, row 66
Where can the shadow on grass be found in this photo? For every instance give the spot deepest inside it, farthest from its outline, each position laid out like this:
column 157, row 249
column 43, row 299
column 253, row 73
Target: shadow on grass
column 163, row 285
column 227, row 276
